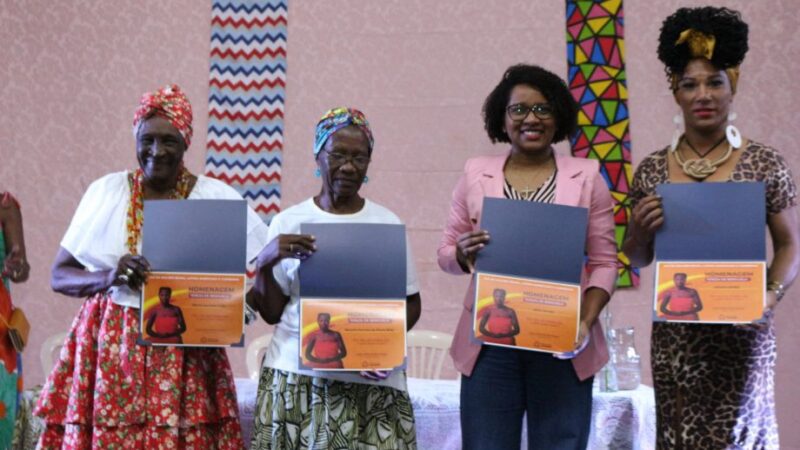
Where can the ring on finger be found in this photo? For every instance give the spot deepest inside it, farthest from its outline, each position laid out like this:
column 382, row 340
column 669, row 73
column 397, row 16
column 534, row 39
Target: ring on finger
column 129, row 272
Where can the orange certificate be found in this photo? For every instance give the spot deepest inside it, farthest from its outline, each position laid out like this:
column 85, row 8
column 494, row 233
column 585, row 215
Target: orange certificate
column 526, row 313
column 193, row 309
column 352, row 334
column 709, row 292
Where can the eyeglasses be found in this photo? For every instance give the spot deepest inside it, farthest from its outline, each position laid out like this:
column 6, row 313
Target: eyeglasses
column 339, row 159
column 518, row 112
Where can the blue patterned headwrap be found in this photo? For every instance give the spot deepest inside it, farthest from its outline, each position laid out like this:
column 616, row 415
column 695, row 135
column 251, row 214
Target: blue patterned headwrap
column 337, row 118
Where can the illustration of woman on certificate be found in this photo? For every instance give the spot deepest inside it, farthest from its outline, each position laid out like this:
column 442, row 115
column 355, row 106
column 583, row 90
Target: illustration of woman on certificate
column 325, row 348
column 499, row 323
column 165, row 324
column 680, row 302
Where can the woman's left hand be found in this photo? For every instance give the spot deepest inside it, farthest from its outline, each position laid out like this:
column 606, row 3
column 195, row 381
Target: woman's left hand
column 375, row 375
column 580, row 343
column 772, row 302
column 583, row 334
column 769, row 309
column 299, row 246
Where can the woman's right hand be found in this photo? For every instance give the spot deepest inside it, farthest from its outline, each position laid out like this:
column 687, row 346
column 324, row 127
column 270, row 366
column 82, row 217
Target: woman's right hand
column 467, row 247
column 647, row 216
column 299, row 246
column 131, row 270
column 15, row 267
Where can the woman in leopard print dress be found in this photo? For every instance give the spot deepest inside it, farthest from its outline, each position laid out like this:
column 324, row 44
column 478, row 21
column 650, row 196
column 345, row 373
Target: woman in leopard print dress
column 714, row 383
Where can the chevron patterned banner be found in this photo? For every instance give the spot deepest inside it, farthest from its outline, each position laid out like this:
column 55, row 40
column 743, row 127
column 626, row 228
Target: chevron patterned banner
column 246, row 99
column 596, row 64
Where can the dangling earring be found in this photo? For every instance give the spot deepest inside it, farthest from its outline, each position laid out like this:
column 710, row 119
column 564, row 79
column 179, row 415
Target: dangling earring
column 317, row 173
column 677, row 120
column 366, row 179
column 732, row 133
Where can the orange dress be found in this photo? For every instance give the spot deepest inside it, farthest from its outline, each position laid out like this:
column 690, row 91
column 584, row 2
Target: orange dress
column 500, row 322
column 326, row 345
column 681, row 300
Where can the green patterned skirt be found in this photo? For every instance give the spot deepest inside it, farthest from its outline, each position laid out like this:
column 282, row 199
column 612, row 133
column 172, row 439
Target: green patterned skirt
column 301, row 412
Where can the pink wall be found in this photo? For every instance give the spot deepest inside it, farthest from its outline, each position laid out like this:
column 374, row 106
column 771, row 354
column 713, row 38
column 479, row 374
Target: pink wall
column 72, row 73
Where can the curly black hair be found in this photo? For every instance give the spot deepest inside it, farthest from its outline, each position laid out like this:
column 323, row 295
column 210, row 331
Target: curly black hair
column 726, row 25
column 552, row 87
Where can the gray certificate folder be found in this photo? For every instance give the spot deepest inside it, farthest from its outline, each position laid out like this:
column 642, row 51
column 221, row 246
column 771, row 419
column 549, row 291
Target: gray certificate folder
column 199, row 236
column 712, row 222
column 533, row 240
column 355, row 260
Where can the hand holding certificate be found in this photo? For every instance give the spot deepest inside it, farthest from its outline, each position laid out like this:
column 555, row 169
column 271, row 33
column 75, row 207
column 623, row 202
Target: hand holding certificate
column 528, row 291
column 352, row 306
column 194, row 295
column 711, row 253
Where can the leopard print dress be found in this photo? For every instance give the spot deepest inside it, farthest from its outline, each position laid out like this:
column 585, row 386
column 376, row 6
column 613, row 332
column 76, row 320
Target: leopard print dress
column 714, row 384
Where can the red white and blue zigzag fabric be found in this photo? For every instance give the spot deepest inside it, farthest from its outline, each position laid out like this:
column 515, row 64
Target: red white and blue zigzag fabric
column 246, row 99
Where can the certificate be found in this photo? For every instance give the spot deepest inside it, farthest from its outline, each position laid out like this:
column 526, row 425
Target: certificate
column 709, row 292
column 710, row 253
column 193, row 309
column 526, row 313
column 353, row 297
column 194, row 295
column 527, row 287
column 358, row 334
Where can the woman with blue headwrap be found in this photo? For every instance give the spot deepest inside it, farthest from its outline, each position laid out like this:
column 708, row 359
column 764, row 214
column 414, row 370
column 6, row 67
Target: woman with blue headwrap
column 312, row 409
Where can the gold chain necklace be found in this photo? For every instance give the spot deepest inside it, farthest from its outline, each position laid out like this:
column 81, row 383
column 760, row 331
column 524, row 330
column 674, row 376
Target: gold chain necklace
column 700, row 168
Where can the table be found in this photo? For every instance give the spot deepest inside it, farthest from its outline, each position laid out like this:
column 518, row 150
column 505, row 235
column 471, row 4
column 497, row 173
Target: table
column 620, row 420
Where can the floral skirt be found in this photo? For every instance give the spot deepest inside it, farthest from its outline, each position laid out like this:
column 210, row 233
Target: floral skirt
column 300, row 412
column 108, row 392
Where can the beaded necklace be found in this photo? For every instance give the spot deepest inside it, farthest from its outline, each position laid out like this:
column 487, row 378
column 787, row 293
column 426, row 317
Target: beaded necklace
column 136, row 206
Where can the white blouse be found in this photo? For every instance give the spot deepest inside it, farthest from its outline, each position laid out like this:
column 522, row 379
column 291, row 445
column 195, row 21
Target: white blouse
column 282, row 353
column 97, row 234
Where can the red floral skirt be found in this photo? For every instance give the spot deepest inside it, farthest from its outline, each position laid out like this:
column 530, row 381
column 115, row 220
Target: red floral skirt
column 106, row 391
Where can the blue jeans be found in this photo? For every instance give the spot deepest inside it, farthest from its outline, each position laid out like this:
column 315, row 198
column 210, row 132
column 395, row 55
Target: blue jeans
column 506, row 383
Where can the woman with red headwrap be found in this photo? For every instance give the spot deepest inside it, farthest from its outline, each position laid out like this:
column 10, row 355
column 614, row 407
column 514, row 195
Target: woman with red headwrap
column 106, row 391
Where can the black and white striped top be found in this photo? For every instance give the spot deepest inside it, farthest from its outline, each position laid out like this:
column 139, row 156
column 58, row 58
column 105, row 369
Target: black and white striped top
column 546, row 193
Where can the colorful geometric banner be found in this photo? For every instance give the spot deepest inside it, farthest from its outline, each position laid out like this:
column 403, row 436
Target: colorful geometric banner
column 246, row 99
column 596, row 64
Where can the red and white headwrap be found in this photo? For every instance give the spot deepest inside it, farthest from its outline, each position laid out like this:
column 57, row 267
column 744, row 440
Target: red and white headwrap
column 170, row 103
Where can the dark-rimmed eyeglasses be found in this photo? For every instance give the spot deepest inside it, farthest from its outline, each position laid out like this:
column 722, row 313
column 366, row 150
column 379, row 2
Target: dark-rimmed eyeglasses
column 337, row 159
column 518, row 112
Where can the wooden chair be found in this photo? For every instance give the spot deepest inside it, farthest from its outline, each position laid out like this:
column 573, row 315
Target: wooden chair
column 426, row 353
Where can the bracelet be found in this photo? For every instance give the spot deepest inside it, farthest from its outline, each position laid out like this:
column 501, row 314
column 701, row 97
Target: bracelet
column 777, row 288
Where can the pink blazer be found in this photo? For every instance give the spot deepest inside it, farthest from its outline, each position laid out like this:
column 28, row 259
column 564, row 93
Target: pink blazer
column 578, row 183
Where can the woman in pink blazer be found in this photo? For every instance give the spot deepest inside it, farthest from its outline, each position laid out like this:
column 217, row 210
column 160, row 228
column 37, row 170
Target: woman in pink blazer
column 531, row 108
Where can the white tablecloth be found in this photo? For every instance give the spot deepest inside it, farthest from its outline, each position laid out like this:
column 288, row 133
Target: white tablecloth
column 620, row 420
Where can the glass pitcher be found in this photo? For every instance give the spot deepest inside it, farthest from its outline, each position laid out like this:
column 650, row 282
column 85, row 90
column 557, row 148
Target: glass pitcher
column 625, row 359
